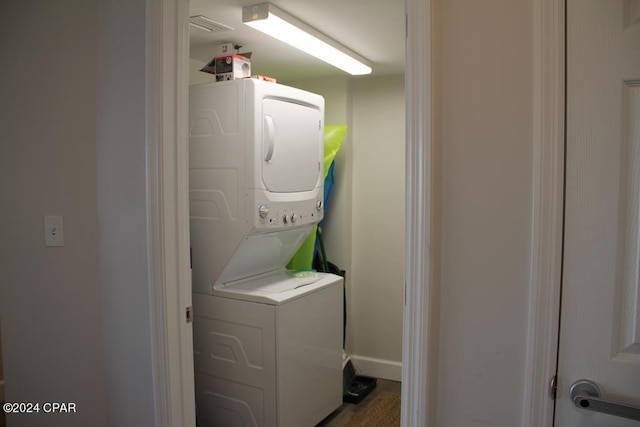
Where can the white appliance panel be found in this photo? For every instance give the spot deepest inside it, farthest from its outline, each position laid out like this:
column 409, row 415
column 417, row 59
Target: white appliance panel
column 291, row 147
column 262, row 253
column 234, row 352
column 276, row 288
column 228, row 403
column 269, row 365
column 309, row 357
column 228, row 194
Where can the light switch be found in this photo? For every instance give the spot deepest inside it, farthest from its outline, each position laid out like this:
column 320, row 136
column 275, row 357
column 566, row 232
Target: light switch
column 53, row 231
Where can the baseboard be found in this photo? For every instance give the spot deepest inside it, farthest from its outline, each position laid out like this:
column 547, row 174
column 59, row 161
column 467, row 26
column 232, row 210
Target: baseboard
column 378, row 368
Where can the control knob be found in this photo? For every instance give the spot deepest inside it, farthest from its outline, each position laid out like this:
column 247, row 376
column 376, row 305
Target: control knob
column 263, row 211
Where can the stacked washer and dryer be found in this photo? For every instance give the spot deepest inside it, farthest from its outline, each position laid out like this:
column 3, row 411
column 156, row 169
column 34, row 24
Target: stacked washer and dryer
column 267, row 342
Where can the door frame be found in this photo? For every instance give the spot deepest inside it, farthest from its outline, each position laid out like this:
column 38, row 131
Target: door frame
column 418, row 360
column 167, row 173
column 547, row 210
column 421, row 285
column 167, row 55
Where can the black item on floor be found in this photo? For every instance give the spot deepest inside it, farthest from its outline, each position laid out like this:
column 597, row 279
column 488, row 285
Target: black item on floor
column 355, row 387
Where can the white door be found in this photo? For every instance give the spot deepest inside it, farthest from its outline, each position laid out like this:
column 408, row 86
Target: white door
column 600, row 314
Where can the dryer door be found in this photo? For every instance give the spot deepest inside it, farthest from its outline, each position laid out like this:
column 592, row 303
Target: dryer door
column 292, row 148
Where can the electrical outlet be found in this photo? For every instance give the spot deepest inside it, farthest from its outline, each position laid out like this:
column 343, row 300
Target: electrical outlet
column 53, row 231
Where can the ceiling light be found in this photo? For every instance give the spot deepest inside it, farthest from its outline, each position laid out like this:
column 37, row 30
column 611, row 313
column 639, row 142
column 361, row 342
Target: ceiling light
column 276, row 23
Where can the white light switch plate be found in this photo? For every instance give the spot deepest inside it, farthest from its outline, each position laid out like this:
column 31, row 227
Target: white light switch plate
column 53, row 231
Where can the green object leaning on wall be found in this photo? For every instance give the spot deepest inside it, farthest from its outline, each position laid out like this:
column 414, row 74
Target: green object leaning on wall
column 333, row 137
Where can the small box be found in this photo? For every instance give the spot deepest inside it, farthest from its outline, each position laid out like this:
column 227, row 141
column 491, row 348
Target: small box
column 232, row 67
column 229, row 67
column 225, row 49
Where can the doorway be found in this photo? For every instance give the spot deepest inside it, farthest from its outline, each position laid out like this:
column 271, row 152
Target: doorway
column 418, row 325
column 370, row 173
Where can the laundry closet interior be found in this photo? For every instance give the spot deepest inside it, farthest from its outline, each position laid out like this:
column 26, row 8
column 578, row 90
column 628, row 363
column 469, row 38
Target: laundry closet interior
column 364, row 223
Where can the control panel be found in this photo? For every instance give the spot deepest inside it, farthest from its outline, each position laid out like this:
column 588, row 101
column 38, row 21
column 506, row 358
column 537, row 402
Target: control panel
column 277, row 214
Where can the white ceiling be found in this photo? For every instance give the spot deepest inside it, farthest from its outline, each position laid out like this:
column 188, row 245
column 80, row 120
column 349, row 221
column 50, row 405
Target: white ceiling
column 375, row 29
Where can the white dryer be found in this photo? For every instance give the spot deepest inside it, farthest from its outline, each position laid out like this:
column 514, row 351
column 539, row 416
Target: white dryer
column 267, row 342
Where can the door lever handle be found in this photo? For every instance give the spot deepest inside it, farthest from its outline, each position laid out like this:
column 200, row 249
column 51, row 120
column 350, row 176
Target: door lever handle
column 585, row 394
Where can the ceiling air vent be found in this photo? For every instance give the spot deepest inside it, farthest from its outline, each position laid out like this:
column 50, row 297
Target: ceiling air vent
column 207, row 24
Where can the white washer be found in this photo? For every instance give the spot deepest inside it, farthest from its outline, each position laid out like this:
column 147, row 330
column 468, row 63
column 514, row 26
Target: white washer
column 264, row 356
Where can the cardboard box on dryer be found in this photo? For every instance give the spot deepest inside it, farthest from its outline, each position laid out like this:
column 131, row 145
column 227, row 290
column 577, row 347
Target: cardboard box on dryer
column 232, row 67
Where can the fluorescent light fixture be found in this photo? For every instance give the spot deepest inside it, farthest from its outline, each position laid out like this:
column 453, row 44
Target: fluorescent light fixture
column 276, row 23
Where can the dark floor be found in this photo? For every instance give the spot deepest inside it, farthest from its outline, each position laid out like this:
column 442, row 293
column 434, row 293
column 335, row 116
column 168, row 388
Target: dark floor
column 341, row 416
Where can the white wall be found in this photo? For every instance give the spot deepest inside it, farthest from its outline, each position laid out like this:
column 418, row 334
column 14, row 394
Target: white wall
column 196, row 76
column 483, row 137
column 75, row 320
column 50, row 305
column 124, row 251
column 378, row 225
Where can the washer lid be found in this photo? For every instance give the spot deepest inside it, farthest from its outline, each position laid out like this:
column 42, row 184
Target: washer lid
column 262, row 253
column 266, row 290
column 281, row 281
